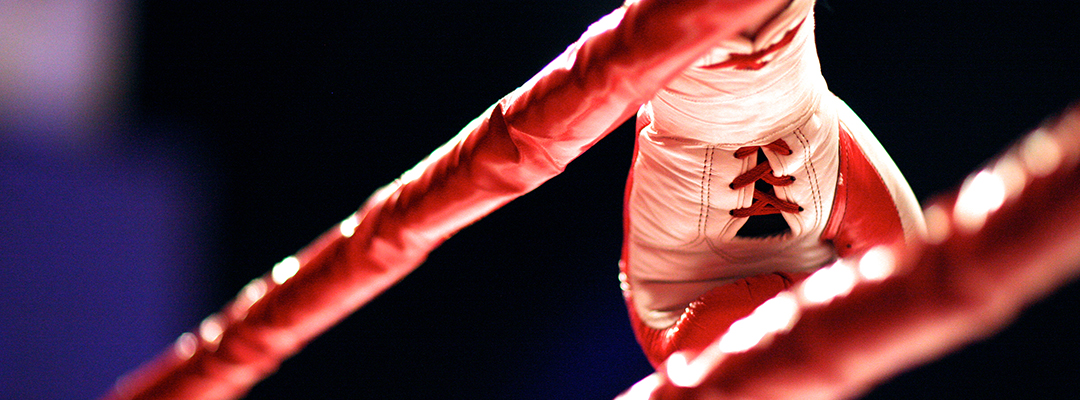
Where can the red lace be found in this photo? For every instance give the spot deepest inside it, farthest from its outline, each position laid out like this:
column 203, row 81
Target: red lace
column 764, row 202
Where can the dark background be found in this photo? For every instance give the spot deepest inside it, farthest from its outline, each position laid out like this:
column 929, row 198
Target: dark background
column 296, row 111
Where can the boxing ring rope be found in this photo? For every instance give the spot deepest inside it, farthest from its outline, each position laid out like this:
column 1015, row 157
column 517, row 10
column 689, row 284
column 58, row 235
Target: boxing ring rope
column 984, row 260
column 1007, row 238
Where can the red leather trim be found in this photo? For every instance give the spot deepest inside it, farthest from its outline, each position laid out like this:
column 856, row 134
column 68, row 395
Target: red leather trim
column 864, row 214
column 708, row 317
